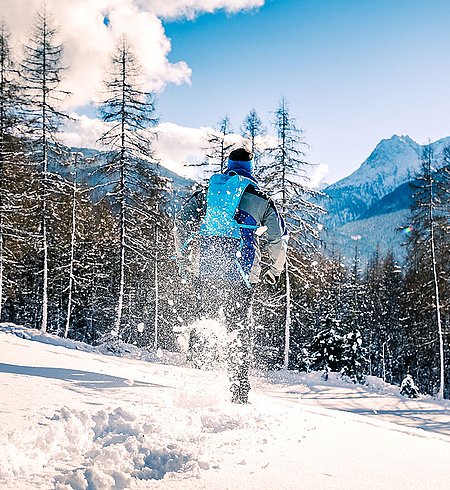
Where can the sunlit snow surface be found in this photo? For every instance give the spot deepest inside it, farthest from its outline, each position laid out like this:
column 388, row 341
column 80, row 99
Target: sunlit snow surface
column 72, row 417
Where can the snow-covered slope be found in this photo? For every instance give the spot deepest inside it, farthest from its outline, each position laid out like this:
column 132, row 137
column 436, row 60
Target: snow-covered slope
column 73, row 418
column 90, row 162
column 393, row 162
column 383, row 231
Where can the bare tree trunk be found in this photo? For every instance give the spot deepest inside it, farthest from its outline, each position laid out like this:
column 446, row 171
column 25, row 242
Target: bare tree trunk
column 155, row 342
column 44, row 186
column 44, row 321
column 121, row 286
column 44, row 277
column 437, row 301
column 72, row 249
column 122, row 201
column 287, row 324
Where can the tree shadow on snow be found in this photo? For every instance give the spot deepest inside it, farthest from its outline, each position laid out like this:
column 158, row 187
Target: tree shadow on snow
column 85, row 379
column 407, row 413
column 430, row 420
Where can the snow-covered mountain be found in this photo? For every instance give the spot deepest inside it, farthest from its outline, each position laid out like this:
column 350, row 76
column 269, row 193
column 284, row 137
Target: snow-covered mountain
column 91, row 160
column 371, row 205
column 392, row 163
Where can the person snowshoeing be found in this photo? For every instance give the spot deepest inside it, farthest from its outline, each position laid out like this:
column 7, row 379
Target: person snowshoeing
column 217, row 240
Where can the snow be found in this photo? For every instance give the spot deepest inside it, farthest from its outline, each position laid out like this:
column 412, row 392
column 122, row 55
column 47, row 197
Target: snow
column 393, row 161
column 72, row 417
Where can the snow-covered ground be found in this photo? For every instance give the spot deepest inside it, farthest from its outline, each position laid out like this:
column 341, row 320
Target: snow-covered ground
column 72, row 417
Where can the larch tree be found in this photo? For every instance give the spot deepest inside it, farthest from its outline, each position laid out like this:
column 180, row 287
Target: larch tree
column 41, row 71
column 136, row 192
column 285, row 174
column 217, row 147
column 252, row 128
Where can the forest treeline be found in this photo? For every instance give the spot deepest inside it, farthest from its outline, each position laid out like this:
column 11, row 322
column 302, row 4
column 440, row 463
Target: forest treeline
column 91, row 258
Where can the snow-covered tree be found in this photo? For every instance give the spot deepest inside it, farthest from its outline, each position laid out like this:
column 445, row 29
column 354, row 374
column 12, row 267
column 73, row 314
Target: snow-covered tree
column 326, row 348
column 41, row 76
column 136, row 191
column 354, row 357
column 408, row 388
column 285, row 175
column 424, row 276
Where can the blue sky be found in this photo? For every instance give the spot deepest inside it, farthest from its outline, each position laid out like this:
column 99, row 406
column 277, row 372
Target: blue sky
column 353, row 71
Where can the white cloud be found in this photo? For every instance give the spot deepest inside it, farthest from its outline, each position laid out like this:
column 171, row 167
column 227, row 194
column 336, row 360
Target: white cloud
column 176, row 146
column 317, row 175
column 88, row 42
column 82, row 132
column 191, row 8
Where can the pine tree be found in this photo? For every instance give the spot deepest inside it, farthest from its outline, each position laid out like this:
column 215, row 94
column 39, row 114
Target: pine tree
column 354, row 357
column 326, row 349
column 408, row 388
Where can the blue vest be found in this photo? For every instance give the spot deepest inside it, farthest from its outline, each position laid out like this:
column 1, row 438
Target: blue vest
column 220, row 233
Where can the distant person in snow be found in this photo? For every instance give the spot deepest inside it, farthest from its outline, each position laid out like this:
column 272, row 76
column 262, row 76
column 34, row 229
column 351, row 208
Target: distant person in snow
column 217, row 240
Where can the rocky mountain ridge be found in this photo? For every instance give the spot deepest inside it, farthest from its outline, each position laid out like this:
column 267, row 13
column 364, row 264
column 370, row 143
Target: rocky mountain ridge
column 371, row 206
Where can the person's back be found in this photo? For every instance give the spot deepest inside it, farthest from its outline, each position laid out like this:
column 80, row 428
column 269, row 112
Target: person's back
column 224, row 254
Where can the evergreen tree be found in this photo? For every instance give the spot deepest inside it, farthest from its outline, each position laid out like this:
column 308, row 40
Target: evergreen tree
column 408, row 388
column 354, row 357
column 393, row 333
column 326, row 349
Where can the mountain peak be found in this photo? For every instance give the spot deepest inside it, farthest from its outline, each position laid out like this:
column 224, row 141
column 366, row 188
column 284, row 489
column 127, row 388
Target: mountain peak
column 404, row 138
column 395, row 141
column 395, row 158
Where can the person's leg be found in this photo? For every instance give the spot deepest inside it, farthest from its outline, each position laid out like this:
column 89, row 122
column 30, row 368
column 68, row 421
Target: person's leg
column 237, row 313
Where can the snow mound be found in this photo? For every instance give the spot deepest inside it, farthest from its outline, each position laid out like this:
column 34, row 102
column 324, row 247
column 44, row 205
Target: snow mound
column 118, row 448
column 123, row 449
column 107, row 449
